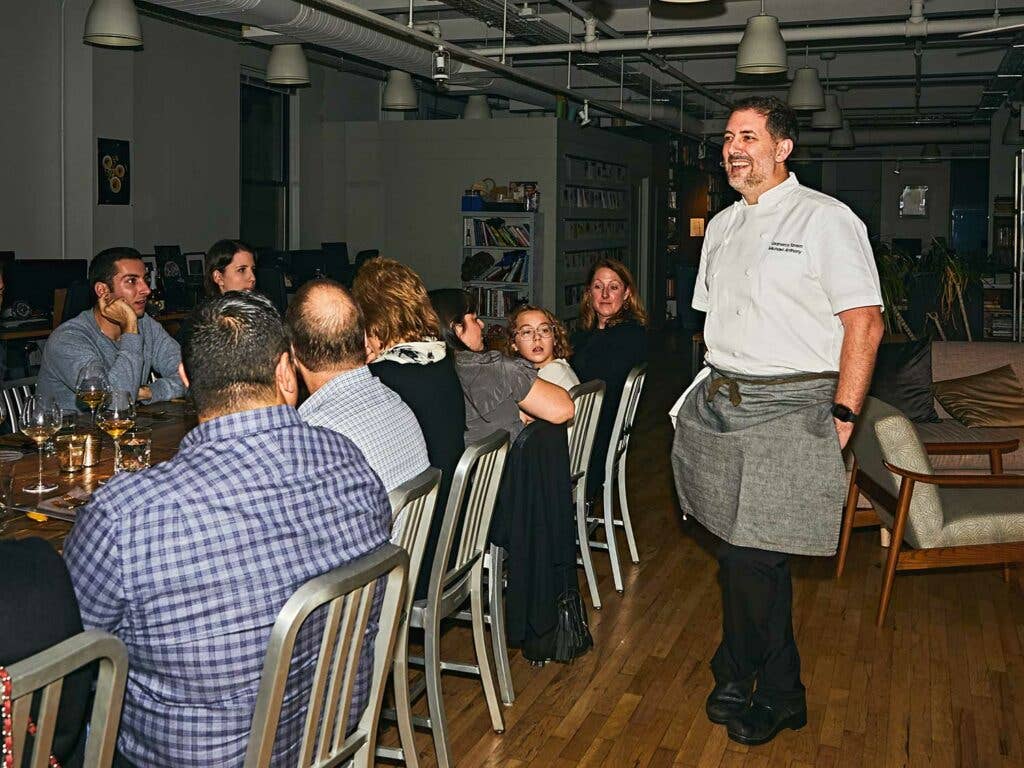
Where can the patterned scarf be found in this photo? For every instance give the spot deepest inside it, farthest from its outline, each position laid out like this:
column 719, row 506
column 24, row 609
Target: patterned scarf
column 415, row 352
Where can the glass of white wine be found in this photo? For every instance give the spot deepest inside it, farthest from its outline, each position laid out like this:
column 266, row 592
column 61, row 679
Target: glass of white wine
column 92, row 386
column 40, row 420
column 115, row 417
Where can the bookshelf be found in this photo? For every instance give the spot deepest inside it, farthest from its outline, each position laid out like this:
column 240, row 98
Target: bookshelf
column 595, row 210
column 499, row 260
column 997, row 312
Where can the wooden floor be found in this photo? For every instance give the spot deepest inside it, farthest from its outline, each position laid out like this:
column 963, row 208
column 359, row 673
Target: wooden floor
column 942, row 684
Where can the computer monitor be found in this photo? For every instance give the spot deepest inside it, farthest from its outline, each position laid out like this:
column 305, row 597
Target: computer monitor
column 33, row 281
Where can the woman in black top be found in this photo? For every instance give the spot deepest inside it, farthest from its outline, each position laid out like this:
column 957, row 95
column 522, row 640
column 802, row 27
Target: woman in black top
column 612, row 340
column 38, row 609
column 406, row 353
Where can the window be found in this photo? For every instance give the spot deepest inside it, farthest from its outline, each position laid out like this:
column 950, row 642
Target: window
column 263, row 166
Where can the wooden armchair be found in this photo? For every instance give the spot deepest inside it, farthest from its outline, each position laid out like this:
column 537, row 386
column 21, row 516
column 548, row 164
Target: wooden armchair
column 938, row 521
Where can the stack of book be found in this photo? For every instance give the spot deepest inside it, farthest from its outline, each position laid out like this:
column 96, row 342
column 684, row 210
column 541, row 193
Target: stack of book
column 514, row 267
column 480, row 232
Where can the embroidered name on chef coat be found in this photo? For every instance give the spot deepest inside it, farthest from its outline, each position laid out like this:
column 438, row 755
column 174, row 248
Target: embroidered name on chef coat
column 777, row 247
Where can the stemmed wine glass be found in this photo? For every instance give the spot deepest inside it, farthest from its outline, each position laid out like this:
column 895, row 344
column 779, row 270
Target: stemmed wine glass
column 92, row 385
column 117, row 416
column 40, row 420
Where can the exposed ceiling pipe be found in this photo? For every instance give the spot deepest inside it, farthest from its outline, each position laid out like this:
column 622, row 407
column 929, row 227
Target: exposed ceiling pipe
column 656, row 61
column 915, row 134
column 354, row 30
column 807, row 34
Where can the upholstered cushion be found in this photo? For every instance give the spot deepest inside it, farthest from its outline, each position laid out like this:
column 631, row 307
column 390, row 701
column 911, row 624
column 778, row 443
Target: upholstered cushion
column 953, row 359
column 901, row 447
column 981, row 516
column 952, row 431
column 903, row 379
column 990, row 399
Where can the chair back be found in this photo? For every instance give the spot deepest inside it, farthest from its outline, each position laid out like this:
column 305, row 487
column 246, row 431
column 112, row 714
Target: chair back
column 45, row 672
column 883, row 434
column 587, row 398
column 348, row 592
column 622, row 427
column 470, row 507
column 15, row 393
column 412, row 509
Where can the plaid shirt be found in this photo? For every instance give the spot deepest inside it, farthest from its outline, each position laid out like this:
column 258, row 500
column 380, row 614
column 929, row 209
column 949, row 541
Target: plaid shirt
column 190, row 561
column 361, row 407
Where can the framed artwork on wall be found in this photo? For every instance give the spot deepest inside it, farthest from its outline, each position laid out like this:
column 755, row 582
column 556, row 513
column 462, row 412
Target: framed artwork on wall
column 114, row 173
column 914, row 202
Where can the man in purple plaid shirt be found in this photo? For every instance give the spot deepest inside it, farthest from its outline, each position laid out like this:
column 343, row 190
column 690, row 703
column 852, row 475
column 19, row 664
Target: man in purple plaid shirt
column 188, row 562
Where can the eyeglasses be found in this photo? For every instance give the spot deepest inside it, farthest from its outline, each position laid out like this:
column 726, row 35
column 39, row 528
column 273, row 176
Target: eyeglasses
column 544, row 331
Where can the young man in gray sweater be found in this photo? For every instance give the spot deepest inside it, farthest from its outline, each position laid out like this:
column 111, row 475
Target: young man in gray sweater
column 117, row 333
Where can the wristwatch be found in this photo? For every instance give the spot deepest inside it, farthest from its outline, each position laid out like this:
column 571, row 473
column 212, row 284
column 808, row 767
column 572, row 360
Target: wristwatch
column 843, row 413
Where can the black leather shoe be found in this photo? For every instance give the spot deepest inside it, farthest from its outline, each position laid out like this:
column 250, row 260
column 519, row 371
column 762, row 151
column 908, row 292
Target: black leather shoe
column 729, row 700
column 760, row 723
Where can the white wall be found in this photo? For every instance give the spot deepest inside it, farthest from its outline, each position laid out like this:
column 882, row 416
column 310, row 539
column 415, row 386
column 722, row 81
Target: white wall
column 404, row 182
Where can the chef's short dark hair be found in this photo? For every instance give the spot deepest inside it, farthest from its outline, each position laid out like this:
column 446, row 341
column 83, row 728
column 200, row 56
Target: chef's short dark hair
column 779, row 116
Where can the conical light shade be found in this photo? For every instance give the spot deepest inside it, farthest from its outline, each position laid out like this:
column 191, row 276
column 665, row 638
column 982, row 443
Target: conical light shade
column 829, row 117
column 805, row 93
column 841, row 138
column 762, row 50
column 113, row 24
column 931, row 153
column 287, row 65
column 477, row 108
column 400, row 93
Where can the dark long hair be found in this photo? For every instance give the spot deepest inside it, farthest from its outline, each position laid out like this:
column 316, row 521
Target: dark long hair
column 217, row 259
column 452, row 305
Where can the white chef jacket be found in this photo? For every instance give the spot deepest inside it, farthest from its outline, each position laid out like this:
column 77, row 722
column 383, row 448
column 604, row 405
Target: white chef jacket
column 774, row 275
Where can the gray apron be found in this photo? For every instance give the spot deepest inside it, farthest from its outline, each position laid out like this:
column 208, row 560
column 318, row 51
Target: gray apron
column 757, row 461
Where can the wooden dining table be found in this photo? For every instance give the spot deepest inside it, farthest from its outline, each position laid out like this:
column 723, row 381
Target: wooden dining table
column 169, row 421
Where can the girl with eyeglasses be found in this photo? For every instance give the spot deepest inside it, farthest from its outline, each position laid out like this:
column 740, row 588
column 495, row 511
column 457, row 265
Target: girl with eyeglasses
column 539, row 337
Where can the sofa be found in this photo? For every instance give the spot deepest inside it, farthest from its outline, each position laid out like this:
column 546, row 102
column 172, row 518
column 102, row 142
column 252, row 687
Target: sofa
column 951, row 360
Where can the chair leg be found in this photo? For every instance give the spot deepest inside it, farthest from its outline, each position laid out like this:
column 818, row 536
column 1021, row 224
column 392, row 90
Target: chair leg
column 584, row 539
column 499, row 635
column 849, row 513
column 887, row 582
column 609, row 532
column 435, row 701
column 476, row 600
column 627, row 523
column 403, row 707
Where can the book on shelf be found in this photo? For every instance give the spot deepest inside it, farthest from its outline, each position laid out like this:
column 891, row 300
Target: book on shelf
column 496, row 302
column 482, row 233
column 584, row 259
column 513, row 267
column 595, row 229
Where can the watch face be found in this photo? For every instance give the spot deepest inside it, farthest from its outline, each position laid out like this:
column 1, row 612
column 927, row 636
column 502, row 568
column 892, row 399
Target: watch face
column 842, row 412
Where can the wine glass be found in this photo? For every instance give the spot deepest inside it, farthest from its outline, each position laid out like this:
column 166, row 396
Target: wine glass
column 40, row 420
column 91, row 386
column 116, row 416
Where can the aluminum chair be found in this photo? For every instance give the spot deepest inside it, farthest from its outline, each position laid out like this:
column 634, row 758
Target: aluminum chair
column 587, row 397
column 45, row 671
column 349, row 593
column 15, row 393
column 412, row 505
column 457, row 575
column 615, row 472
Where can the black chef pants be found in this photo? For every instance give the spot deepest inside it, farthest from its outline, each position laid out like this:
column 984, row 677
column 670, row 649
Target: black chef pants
column 757, row 624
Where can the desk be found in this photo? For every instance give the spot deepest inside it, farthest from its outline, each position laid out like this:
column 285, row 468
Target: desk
column 170, row 424
column 171, row 321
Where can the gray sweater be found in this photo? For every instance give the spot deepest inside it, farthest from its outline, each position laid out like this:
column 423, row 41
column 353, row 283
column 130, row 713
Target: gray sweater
column 128, row 360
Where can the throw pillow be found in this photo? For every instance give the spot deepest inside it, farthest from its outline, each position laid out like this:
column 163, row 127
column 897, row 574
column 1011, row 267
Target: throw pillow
column 991, row 399
column 903, row 379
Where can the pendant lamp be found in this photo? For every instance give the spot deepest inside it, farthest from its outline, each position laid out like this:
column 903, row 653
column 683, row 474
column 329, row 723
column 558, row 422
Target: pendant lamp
column 400, row 93
column 113, row 24
column 477, row 108
column 829, row 117
column 841, row 138
column 762, row 50
column 805, row 92
column 287, row 65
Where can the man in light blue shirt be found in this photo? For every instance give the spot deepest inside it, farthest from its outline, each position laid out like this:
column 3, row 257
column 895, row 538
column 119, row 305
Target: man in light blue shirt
column 117, row 333
column 329, row 339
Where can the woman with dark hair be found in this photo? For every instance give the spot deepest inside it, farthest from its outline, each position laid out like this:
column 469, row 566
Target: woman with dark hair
column 612, row 340
column 38, row 609
column 230, row 266
column 406, row 353
column 496, row 388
